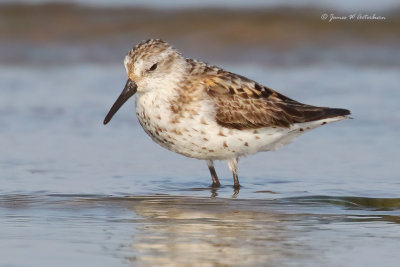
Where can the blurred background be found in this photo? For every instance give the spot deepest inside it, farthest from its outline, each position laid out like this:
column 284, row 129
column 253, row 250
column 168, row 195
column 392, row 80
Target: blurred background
column 108, row 194
column 259, row 32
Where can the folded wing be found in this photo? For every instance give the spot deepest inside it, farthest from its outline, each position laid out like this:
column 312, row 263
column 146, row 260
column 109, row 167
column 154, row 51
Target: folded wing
column 244, row 104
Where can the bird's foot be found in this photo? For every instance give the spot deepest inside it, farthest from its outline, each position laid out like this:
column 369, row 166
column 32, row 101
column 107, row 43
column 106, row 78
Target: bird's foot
column 236, row 189
column 215, row 185
column 236, row 186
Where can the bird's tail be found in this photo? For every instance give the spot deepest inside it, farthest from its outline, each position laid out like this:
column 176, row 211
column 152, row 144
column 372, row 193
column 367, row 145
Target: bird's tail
column 334, row 112
column 300, row 113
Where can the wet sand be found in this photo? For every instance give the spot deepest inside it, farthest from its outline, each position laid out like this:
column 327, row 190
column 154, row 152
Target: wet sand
column 52, row 33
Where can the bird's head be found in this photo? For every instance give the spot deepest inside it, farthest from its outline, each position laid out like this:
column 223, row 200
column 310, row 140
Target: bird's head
column 150, row 65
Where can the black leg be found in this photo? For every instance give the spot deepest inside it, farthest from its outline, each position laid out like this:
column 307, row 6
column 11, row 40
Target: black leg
column 232, row 163
column 213, row 173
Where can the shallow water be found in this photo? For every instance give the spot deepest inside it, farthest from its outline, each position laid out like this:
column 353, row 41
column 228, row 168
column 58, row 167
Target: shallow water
column 168, row 230
column 75, row 191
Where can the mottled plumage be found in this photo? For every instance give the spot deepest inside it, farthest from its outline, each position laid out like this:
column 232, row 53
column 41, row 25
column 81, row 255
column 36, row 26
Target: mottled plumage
column 205, row 112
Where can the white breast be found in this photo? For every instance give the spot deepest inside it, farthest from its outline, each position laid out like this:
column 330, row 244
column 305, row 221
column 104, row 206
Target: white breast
column 195, row 133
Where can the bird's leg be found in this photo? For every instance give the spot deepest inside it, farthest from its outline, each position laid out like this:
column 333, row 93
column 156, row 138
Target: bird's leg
column 232, row 163
column 214, row 176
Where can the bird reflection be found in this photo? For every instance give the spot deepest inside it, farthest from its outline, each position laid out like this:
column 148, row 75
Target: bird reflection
column 185, row 230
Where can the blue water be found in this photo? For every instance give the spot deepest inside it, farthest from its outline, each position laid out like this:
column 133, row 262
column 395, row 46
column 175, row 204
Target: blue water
column 74, row 191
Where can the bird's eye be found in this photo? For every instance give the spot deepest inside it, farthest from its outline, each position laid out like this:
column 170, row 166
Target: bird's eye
column 153, row 67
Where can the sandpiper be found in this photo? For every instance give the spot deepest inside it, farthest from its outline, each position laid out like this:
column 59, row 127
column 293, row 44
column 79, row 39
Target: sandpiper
column 208, row 113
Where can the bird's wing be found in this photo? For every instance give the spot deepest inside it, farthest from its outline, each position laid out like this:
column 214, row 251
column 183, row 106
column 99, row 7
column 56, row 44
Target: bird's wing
column 244, row 104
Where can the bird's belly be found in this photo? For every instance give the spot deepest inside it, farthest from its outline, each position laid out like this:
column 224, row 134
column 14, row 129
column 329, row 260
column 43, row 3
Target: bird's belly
column 198, row 135
column 200, row 139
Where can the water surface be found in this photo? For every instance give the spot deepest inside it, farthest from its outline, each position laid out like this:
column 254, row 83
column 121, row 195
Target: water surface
column 76, row 192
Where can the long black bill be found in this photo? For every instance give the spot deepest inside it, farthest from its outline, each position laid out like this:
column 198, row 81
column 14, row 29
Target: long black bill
column 129, row 90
